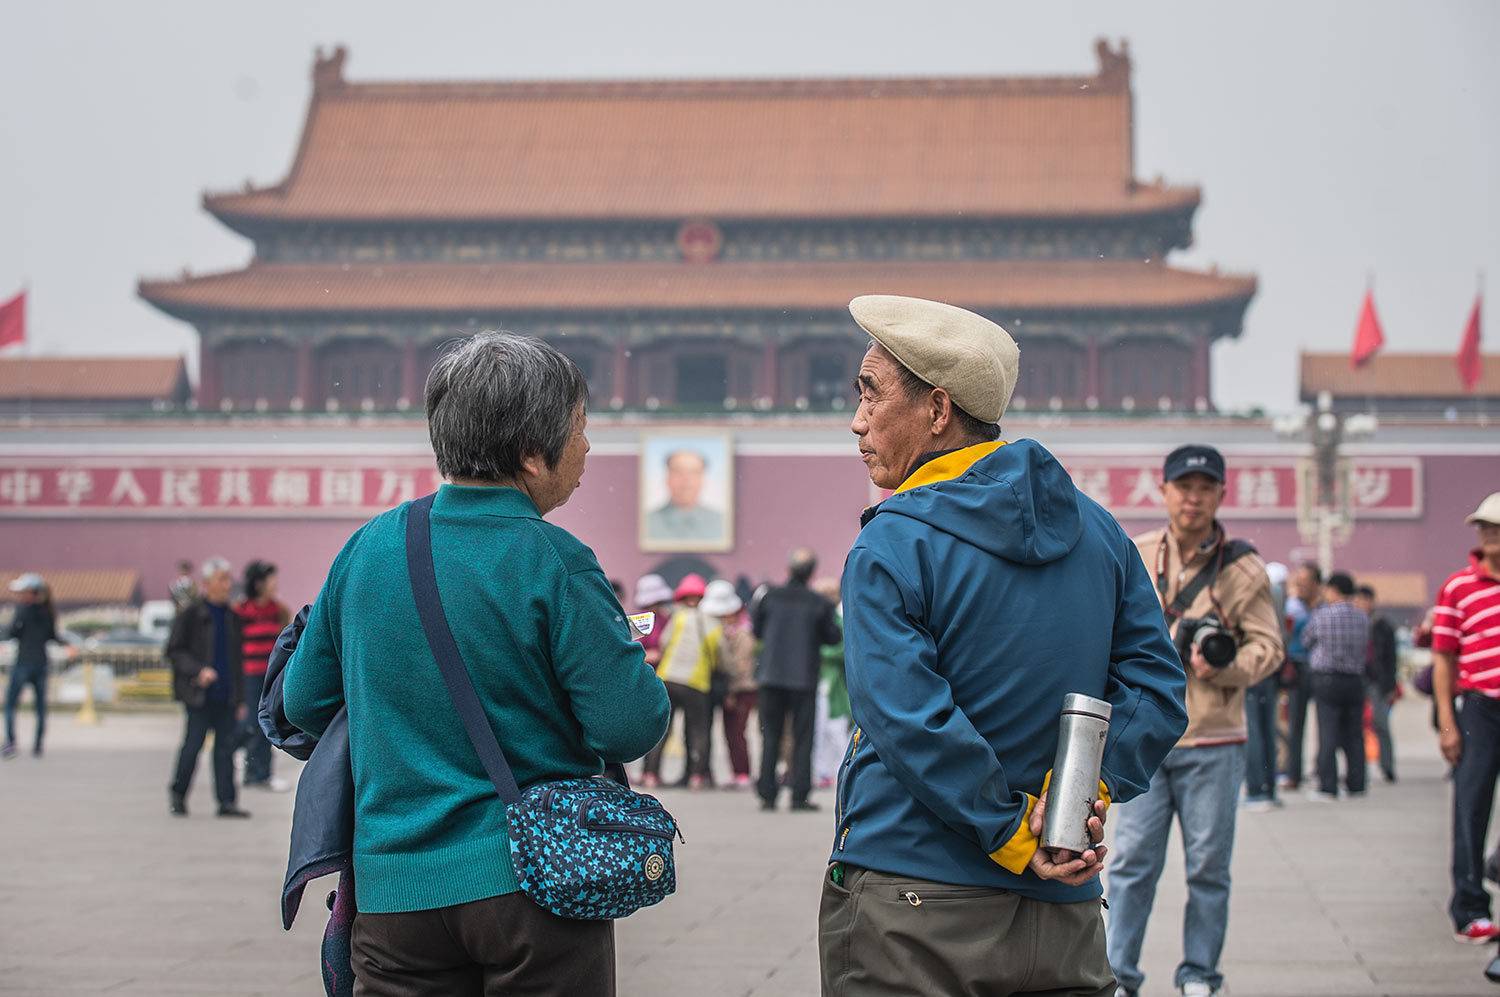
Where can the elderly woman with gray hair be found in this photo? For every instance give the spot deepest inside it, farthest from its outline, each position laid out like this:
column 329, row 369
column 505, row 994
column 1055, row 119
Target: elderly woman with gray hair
column 549, row 650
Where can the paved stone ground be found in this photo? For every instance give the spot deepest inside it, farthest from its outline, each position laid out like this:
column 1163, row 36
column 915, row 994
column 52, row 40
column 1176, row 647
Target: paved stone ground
column 102, row 892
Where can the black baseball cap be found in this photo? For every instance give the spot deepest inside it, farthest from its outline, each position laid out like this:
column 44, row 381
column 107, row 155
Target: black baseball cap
column 1194, row 458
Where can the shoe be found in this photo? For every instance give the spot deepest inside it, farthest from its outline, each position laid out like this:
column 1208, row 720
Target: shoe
column 36, row 752
column 650, row 780
column 231, row 810
column 741, row 782
column 1285, row 781
column 1388, row 777
column 1478, row 931
column 177, row 805
column 1197, row 988
column 826, row 782
column 696, row 783
column 275, row 784
column 805, row 806
column 1357, row 794
column 1318, row 796
column 9, row 751
column 1123, row 991
column 768, row 804
column 1259, row 806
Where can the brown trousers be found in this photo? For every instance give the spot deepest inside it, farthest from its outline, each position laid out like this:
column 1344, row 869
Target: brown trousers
column 500, row 945
column 895, row 936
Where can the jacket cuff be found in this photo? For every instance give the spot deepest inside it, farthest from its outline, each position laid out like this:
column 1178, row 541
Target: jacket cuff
column 1015, row 855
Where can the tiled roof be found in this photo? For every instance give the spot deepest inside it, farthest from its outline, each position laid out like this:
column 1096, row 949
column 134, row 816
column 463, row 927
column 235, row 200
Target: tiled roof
column 722, row 149
column 91, row 378
column 84, row 588
column 616, row 287
column 1394, row 375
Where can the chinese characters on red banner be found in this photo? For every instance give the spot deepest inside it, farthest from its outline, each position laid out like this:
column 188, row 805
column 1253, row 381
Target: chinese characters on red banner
column 156, row 489
column 1383, row 488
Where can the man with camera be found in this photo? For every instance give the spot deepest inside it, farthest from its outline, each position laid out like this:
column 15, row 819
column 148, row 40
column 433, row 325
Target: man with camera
column 1216, row 597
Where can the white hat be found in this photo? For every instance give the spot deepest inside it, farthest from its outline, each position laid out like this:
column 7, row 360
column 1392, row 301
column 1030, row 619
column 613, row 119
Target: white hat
column 1488, row 511
column 1276, row 571
column 720, row 599
column 652, row 589
column 29, row 582
column 966, row 355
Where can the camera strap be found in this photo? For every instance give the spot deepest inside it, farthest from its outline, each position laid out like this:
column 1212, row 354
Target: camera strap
column 1228, row 552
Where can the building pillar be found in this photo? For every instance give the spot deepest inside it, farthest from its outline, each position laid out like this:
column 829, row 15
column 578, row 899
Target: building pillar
column 768, row 361
column 620, row 374
column 411, row 387
column 1091, row 374
column 208, row 380
column 304, row 373
column 1201, row 387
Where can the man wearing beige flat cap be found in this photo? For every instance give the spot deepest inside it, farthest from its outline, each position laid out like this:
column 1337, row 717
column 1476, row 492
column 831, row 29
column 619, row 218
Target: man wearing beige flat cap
column 1466, row 664
column 977, row 596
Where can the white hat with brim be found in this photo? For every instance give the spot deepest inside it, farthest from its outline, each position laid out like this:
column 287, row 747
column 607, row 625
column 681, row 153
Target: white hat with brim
column 1488, row 511
column 967, row 355
column 720, row 599
column 29, row 582
column 651, row 590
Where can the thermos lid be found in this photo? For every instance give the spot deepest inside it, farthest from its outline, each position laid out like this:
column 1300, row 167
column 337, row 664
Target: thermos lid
column 1077, row 702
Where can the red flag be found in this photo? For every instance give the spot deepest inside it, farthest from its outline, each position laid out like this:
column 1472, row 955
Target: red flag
column 1367, row 338
column 1470, row 365
column 13, row 321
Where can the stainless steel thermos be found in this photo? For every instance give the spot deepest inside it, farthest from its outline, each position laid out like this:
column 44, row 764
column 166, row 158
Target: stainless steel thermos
column 1084, row 725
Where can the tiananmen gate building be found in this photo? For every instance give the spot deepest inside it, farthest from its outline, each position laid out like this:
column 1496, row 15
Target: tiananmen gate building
column 693, row 244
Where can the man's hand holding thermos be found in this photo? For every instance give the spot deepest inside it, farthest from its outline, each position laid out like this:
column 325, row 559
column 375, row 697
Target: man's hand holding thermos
column 1069, row 849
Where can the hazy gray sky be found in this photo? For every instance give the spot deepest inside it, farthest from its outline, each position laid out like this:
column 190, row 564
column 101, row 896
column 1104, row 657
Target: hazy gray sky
column 1332, row 140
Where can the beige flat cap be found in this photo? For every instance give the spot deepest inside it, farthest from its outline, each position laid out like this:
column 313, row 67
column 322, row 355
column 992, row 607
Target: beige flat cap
column 1488, row 511
column 966, row 355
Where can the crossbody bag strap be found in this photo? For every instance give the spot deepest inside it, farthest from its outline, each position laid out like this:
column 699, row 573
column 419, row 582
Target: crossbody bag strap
column 445, row 650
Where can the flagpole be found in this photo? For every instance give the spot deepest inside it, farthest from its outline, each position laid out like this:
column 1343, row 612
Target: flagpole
column 26, row 360
column 1370, row 367
column 1480, row 415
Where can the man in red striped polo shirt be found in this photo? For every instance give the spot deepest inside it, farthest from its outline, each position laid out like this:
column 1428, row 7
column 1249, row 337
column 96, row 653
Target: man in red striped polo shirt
column 1466, row 663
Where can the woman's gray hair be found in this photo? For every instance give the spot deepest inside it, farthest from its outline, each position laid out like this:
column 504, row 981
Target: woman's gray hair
column 213, row 565
column 496, row 399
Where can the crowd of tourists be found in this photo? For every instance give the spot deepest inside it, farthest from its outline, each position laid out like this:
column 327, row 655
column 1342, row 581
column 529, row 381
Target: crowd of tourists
column 926, row 681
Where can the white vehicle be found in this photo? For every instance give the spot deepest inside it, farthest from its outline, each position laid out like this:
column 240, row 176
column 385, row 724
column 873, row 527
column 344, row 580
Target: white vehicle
column 156, row 618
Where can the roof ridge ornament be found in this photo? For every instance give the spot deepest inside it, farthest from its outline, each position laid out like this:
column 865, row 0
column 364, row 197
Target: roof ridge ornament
column 328, row 71
column 1114, row 67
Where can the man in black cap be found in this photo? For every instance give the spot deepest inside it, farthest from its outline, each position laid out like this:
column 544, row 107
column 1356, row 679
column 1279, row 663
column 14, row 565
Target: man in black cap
column 1216, row 597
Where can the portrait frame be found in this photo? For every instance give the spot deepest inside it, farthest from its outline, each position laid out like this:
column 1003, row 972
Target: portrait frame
column 710, row 526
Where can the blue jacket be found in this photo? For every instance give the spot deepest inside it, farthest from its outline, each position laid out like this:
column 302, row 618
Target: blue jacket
column 975, row 598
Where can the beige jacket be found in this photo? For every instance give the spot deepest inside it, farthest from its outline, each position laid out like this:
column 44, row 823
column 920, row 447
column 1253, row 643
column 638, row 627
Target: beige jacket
column 1216, row 707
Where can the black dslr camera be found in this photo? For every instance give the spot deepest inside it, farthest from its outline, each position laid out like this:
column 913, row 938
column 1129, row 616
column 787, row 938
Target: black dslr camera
column 1210, row 636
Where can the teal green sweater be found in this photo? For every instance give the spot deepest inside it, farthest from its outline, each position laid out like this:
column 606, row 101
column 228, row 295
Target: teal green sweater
column 565, row 688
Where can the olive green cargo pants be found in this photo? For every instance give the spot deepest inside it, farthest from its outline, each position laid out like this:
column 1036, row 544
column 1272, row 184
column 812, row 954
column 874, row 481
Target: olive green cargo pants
column 882, row 935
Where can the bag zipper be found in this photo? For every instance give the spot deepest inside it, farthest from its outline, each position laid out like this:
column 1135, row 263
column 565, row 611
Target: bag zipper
column 632, row 829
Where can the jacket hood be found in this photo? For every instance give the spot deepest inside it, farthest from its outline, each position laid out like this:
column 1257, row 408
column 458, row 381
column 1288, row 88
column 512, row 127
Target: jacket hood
column 1012, row 500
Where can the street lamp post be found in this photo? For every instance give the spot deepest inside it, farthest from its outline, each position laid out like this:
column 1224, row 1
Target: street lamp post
column 1325, row 506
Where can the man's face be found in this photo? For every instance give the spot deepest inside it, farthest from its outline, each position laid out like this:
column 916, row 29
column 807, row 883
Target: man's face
column 555, row 485
column 1489, row 540
column 1192, row 501
column 1364, row 603
column 893, row 429
column 684, row 478
column 217, row 586
column 1304, row 585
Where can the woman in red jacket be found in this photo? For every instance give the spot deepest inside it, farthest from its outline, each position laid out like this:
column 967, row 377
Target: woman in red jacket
column 262, row 620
